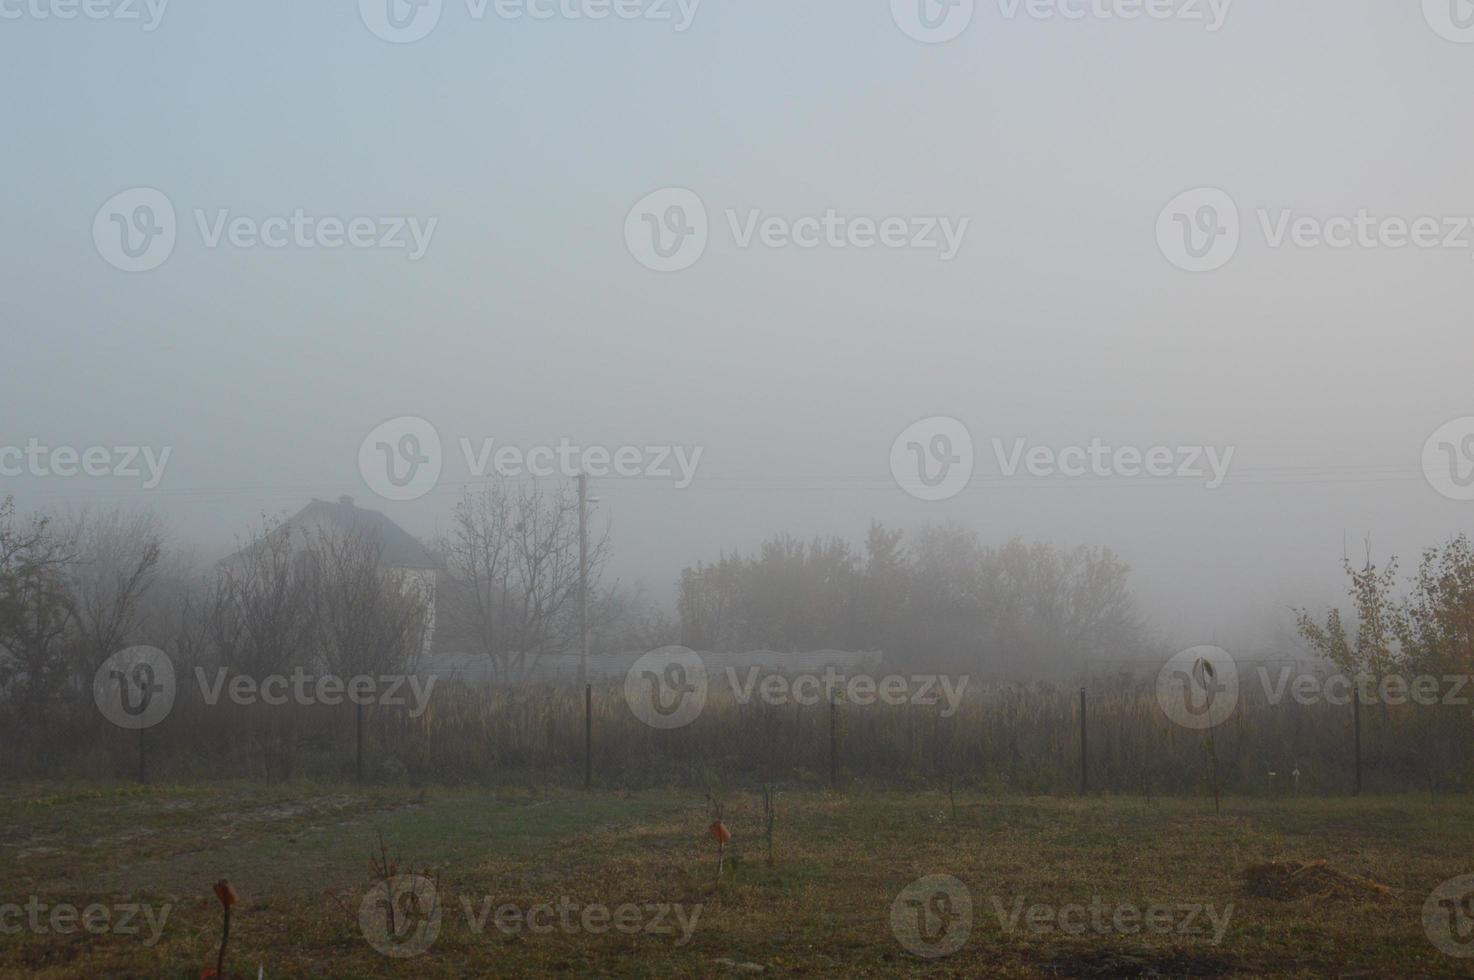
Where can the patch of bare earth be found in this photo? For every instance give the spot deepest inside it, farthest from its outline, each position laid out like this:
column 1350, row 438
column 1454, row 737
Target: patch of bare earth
column 1292, row 880
column 1105, row 963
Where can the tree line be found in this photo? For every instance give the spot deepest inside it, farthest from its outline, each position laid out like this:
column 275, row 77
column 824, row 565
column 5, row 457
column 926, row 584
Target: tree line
column 945, row 601
column 76, row 587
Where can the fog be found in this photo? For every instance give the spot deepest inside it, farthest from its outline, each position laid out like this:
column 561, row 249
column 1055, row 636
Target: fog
column 517, row 310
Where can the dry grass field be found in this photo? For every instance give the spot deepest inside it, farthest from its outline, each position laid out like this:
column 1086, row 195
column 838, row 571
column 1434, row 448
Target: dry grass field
column 557, row 882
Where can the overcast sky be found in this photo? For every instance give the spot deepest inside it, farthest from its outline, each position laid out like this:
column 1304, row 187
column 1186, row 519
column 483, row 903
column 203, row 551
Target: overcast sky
column 1059, row 313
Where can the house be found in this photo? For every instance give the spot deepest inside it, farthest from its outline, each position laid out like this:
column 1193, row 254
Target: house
column 399, row 550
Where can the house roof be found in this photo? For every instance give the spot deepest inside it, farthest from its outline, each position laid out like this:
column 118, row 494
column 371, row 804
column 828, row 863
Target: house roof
column 400, row 548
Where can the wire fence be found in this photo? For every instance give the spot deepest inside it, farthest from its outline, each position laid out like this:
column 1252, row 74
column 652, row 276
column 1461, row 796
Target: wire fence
column 1110, row 736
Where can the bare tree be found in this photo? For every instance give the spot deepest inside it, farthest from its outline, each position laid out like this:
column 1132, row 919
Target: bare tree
column 178, row 607
column 368, row 620
column 513, row 557
column 259, row 608
column 36, row 616
column 117, row 556
column 624, row 619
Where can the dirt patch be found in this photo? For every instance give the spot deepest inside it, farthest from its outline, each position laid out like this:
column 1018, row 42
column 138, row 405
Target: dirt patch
column 1290, row 880
column 1110, row 964
column 290, row 811
column 13, row 834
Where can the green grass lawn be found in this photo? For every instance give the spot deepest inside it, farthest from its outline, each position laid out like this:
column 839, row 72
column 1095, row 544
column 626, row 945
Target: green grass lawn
column 299, row 857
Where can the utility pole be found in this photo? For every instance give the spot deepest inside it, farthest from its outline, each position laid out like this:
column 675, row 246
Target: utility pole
column 1356, row 734
column 1084, row 748
column 583, row 577
column 833, row 743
